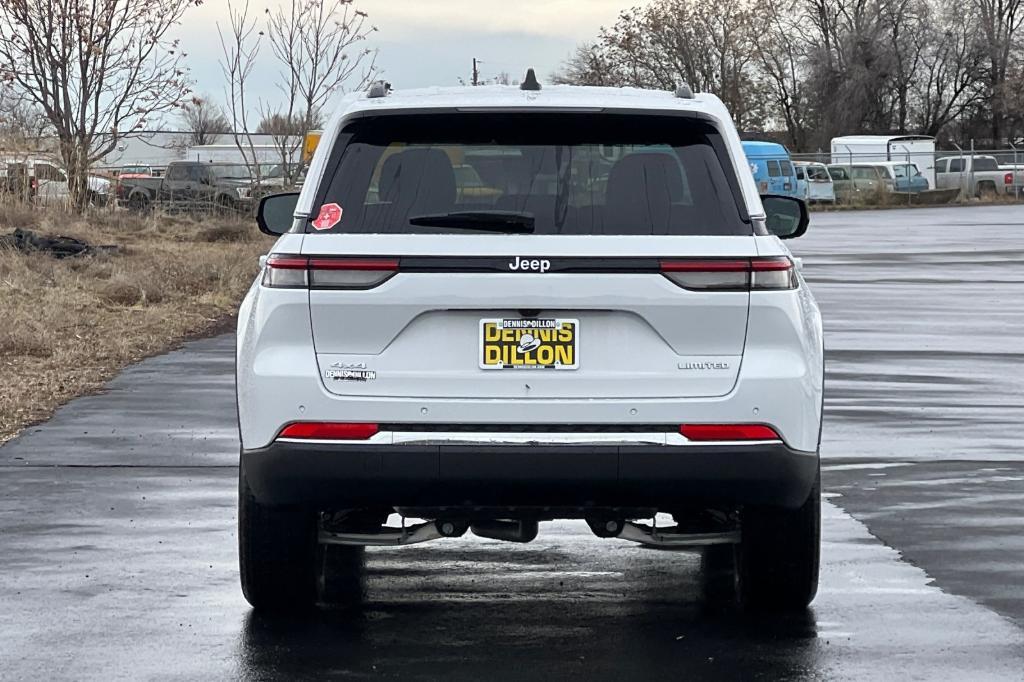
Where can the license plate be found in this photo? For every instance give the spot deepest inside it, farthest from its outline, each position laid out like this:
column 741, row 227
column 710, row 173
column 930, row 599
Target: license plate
column 529, row 344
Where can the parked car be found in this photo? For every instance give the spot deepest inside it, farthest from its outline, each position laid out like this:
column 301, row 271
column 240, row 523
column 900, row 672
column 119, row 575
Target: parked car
column 842, row 183
column 487, row 361
column 45, row 182
column 816, row 182
column 189, row 186
column 916, row 149
column 906, row 177
column 772, row 168
column 977, row 175
column 861, row 181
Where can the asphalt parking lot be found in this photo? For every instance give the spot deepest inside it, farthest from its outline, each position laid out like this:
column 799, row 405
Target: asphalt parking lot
column 117, row 541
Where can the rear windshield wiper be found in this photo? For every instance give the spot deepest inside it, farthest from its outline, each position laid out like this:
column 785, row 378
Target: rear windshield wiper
column 490, row 221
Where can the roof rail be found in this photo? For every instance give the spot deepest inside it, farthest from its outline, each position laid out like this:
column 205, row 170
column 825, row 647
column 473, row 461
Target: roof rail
column 530, row 82
column 378, row 89
column 684, row 91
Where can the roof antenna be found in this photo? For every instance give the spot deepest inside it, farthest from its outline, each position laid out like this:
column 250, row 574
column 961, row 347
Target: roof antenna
column 684, row 91
column 530, row 82
column 378, row 89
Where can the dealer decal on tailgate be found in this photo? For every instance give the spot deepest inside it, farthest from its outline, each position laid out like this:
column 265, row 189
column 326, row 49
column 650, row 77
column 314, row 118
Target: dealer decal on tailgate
column 529, row 344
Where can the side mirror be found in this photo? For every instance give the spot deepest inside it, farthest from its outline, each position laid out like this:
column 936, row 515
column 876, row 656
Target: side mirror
column 785, row 217
column 276, row 211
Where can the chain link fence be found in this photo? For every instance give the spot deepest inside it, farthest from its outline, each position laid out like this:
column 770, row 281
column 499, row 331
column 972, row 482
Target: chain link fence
column 852, row 178
column 952, row 175
column 180, row 187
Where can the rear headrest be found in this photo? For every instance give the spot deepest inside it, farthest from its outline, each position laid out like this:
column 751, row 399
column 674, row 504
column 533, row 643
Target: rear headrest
column 642, row 187
column 419, row 180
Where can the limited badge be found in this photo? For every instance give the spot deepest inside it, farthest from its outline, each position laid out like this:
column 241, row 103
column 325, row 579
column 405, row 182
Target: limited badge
column 330, row 215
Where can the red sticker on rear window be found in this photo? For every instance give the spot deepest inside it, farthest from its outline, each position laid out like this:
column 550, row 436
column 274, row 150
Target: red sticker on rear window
column 330, row 215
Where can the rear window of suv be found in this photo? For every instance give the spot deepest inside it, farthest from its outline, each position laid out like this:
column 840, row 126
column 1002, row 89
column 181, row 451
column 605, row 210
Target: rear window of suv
column 584, row 174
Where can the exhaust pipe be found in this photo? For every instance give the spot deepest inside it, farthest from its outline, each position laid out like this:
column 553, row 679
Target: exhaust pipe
column 606, row 528
column 451, row 529
column 509, row 531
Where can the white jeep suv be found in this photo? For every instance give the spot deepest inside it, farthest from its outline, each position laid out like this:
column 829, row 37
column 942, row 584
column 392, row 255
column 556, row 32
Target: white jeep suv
column 495, row 306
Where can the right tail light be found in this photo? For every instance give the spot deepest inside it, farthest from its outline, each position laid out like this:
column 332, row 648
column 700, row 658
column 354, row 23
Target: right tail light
column 739, row 274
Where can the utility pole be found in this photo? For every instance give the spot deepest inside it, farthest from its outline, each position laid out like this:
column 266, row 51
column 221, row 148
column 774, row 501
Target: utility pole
column 476, row 73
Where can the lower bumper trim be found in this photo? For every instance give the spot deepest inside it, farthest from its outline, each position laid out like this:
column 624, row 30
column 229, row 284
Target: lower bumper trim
column 340, row 476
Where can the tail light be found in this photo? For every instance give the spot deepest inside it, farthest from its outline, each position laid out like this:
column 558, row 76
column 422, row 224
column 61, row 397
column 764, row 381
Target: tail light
column 1008, row 179
column 728, row 432
column 327, row 272
column 740, row 274
column 329, row 431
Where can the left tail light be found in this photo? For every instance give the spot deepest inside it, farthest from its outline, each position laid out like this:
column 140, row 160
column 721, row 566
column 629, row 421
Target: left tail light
column 327, row 272
column 329, row 431
column 1008, row 179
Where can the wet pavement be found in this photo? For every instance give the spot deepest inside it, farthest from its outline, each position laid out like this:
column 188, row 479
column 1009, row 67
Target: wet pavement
column 117, row 540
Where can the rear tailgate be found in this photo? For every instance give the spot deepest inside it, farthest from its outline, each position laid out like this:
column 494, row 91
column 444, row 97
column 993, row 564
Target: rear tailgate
column 637, row 333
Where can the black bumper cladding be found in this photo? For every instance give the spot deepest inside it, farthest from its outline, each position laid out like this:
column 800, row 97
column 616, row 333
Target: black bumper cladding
column 327, row 475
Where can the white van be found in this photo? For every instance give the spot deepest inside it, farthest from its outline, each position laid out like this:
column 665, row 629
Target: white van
column 816, row 182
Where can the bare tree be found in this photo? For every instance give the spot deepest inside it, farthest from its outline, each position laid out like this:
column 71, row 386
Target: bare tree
column 279, row 124
column 906, row 24
column 98, row 70
column 709, row 46
column 782, row 61
column 1000, row 24
column 203, row 120
column 821, row 68
column 240, row 45
column 590, row 64
column 22, row 124
column 319, row 45
column 952, row 67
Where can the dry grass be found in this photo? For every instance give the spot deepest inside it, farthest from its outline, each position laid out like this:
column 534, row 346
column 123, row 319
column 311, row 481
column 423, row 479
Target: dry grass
column 69, row 325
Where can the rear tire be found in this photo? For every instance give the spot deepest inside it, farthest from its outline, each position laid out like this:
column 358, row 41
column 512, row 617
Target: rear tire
column 277, row 552
column 777, row 559
column 139, row 203
column 341, row 574
column 718, row 574
column 225, row 206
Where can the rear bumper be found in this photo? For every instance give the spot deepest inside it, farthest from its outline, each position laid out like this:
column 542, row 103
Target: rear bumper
column 330, row 475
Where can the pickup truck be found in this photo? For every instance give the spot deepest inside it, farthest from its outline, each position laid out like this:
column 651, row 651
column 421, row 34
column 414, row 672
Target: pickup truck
column 44, row 182
column 976, row 175
column 187, row 186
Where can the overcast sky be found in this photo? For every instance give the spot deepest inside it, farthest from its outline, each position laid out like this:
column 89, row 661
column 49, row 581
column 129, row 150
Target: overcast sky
column 433, row 42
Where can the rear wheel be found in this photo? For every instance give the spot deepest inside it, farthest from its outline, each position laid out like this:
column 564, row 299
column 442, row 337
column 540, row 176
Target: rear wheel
column 718, row 574
column 777, row 559
column 226, row 206
column 277, row 553
column 341, row 574
column 138, row 203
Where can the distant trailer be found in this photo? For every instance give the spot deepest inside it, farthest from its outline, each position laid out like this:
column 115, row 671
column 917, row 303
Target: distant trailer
column 916, row 149
column 229, row 153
